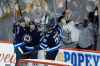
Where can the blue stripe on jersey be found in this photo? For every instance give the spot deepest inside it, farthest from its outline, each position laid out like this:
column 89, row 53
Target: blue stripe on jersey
column 44, row 45
column 54, row 48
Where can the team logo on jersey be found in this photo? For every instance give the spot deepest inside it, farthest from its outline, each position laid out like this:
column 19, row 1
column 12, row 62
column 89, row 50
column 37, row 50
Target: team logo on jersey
column 27, row 38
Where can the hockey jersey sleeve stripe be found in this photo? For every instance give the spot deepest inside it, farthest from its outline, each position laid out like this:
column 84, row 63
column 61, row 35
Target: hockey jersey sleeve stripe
column 44, row 45
column 54, row 48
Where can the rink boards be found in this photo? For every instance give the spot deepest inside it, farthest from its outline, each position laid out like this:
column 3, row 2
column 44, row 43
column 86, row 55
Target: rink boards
column 74, row 57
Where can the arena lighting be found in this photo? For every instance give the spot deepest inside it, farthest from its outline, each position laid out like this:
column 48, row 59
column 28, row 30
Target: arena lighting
column 40, row 61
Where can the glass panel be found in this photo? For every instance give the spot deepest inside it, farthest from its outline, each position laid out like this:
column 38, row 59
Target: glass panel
column 5, row 20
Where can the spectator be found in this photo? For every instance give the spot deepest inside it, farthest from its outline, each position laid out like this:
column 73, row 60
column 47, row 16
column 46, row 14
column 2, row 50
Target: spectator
column 71, row 32
column 94, row 19
column 86, row 39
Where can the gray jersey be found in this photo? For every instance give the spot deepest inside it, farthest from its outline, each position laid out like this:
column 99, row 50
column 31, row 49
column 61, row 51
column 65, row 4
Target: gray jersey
column 86, row 38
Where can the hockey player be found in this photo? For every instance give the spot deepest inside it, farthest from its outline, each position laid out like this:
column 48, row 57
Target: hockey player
column 27, row 36
column 50, row 41
column 54, row 40
column 18, row 30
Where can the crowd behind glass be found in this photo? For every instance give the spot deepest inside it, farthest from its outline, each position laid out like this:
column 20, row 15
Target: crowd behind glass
column 50, row 33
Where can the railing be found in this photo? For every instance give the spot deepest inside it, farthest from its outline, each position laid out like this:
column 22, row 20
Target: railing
column 36, row 62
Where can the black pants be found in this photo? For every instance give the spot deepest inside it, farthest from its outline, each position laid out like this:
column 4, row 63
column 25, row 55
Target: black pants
column 51, row 55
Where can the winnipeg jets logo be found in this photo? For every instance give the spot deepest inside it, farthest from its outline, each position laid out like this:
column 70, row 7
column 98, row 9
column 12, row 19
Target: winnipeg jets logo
column 27, row 38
